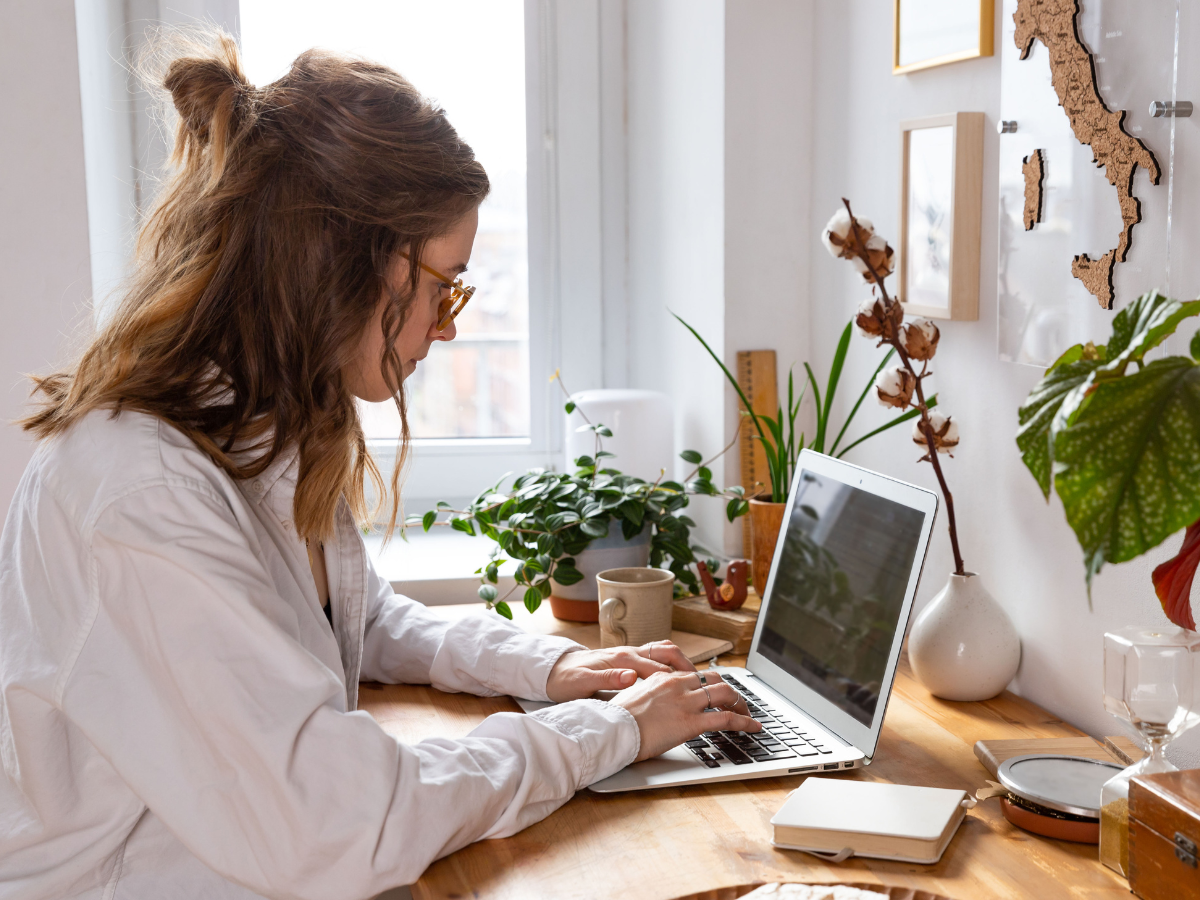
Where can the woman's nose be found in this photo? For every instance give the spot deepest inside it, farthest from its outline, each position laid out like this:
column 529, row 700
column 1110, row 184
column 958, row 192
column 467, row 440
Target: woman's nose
column 446, row 334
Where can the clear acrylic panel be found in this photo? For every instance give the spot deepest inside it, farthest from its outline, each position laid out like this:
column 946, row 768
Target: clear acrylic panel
column 1043, row 309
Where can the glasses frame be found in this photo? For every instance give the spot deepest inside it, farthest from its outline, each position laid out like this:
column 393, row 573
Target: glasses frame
column 460, row 294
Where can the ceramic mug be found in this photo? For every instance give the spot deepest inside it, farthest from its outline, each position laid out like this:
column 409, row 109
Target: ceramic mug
column 635, row 605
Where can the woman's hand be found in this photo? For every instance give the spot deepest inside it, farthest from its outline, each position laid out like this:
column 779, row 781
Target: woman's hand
column 673, row 708
column 581, row 673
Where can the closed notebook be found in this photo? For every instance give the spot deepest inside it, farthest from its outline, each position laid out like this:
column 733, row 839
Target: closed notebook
column 841, row 818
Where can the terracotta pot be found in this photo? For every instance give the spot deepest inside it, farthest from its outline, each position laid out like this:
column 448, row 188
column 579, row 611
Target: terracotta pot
column 580, row 602
column 766, row 518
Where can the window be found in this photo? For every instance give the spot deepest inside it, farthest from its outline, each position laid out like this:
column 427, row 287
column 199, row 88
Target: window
column 469, row 57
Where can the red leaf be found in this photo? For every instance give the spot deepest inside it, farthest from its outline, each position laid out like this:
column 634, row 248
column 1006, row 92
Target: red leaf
column 1173, row 580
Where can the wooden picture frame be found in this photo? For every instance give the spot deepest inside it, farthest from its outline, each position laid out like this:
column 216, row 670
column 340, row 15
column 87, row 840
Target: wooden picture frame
column 921, row 51
column 941, row 199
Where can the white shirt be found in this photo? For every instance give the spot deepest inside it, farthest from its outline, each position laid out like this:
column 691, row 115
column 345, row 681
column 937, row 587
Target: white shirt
column 177, row 718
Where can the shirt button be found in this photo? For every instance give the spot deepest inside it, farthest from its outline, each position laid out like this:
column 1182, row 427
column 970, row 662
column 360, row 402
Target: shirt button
column 257, row 486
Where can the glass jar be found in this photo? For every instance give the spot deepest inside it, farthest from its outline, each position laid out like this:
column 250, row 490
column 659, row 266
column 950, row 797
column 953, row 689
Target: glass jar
column 1150, row 681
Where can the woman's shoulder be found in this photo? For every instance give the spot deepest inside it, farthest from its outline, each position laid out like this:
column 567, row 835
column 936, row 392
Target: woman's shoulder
column 105, row 456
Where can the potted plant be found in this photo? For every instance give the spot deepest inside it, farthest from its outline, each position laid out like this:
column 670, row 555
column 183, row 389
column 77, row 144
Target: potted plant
column 1118, row 439
column 777, row 435
column 547, row 523
column 962, row 646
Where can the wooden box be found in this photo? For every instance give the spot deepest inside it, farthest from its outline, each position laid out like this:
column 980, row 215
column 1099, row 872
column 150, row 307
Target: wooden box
column 1164, row 834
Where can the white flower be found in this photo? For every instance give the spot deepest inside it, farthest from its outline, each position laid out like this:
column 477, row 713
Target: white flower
column 945, row 432
column 894, row 387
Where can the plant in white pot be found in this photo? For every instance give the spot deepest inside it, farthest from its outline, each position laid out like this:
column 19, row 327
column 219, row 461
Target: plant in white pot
column 561, row 529
column 962, row 646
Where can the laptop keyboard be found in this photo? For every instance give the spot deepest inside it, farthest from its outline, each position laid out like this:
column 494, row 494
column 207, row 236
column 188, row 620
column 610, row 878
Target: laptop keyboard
column 779, row 739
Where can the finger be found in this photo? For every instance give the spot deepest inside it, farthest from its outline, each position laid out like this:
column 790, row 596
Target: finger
column 667, row 652
column 722, row 696
column 614, row 679
column 725, row 720
column 635, row 658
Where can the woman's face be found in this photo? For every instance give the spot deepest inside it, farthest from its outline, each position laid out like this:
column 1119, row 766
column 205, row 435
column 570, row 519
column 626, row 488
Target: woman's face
column 447, row 254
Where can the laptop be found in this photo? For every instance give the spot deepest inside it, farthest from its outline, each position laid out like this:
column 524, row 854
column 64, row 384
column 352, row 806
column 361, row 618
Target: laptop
column 832, row 622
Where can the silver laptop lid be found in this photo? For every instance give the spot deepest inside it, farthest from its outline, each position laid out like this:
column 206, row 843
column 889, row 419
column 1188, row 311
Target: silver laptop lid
column 840, row 592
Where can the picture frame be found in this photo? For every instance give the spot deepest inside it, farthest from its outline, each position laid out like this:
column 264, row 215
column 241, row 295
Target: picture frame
column 941, row 206
column 928, row 33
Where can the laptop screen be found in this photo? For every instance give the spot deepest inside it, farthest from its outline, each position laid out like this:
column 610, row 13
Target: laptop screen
column 840, row 584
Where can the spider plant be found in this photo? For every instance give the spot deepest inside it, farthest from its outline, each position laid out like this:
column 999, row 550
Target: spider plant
column 778, row 433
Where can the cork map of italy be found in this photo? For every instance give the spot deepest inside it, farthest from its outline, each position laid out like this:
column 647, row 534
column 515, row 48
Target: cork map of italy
column 1073, row 74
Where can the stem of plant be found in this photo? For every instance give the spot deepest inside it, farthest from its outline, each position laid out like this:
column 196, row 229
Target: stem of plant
column 925, row 425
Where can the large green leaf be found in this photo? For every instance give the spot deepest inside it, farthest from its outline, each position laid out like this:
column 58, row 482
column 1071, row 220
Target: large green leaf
column 1143, row 325
column 1043, row 403
column 1126, row 457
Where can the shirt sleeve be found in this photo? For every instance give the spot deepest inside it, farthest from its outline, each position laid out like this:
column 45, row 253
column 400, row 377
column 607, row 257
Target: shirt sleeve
column 191, row 684
column 407, row 643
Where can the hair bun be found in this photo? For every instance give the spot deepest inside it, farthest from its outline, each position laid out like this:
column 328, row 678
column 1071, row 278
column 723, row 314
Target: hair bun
column 209, row 90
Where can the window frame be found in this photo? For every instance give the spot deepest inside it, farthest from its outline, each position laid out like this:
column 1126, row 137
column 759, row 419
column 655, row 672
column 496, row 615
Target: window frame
column 566, row 83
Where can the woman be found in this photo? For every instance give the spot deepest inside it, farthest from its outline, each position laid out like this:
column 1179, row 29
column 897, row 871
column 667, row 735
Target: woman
column 186, row 604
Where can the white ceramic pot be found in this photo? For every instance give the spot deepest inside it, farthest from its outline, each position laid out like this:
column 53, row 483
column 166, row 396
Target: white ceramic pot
column 963, row 645
column 611, row 552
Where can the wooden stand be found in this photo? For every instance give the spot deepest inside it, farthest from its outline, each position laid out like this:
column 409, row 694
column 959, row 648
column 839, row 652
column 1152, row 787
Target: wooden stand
column 693, row 614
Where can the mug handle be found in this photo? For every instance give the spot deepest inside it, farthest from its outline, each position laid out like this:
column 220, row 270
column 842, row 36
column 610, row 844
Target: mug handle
column 612, row 611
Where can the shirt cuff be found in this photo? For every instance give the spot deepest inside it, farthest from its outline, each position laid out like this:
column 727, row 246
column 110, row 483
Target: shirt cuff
column 607, row 734
column 521, row 665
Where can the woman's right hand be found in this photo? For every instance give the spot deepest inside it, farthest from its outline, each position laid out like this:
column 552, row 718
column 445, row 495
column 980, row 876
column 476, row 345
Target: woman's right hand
column 671, row 708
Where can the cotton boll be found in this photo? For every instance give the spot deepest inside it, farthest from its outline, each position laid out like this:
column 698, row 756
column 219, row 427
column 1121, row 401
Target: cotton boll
column 895, row 386
column 945, row 432
column 920, row 339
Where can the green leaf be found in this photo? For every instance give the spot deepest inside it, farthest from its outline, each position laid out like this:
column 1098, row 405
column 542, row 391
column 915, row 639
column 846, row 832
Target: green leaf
column 1127, row 461
column 691, row 456
column 487, row 592
column 570, row 407
column 428, row 519
column 595, row 528
column 861, row 397
column 600, row 454
column 1143, row 325
column 533, row 599
column 442, row 504
column 835, row 375
column 502, row 609
column 585, row 462
column 704, row 473
column 1195, row 346
column 1038, row 412
column 492, row 572
column 463, row 525
column 567, row 574
column 603, row 431
column 931, row 403
column 736, row 507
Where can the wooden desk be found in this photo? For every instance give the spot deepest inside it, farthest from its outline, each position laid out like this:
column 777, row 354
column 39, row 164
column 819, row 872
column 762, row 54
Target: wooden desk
column 676, row 841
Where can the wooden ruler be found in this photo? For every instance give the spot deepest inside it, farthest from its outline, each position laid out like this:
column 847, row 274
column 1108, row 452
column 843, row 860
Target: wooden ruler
column 757, row 378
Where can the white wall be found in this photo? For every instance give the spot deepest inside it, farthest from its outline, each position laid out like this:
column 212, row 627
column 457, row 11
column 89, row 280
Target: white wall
column 1023, row 549
column 676, row 165
column 43, row 209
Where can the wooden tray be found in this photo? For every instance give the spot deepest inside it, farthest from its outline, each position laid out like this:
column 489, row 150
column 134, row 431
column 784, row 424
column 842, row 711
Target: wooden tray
column 740, row 890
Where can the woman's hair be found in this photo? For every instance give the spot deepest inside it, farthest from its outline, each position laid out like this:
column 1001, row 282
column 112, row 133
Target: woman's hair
column 264, row 261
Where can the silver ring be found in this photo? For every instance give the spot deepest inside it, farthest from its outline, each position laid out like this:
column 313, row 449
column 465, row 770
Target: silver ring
column 709, row 696
column 702, row 681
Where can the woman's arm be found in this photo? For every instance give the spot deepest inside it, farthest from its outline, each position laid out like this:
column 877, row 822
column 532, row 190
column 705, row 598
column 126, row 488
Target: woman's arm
column 190, row 684
column 405, row 642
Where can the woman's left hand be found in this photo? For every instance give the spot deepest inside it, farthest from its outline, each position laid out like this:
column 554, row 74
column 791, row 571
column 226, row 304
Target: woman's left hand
column 581, row 673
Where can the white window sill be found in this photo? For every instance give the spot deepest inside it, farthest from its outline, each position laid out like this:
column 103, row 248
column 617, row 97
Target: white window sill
column 436, row 568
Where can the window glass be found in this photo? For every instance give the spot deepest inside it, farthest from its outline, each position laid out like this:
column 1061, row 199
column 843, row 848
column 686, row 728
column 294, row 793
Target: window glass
column 469, row 57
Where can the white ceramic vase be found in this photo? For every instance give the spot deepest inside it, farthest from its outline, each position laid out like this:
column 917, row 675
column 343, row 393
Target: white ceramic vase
column 963, row 645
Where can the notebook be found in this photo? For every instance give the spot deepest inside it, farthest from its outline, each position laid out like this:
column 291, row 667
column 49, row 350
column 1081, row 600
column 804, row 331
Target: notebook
column 836, row 818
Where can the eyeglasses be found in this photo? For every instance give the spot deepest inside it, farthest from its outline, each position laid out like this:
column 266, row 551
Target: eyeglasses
column 451, row 306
